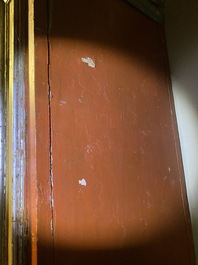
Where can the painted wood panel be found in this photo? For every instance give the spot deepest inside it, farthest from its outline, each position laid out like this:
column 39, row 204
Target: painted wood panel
column 111, row 187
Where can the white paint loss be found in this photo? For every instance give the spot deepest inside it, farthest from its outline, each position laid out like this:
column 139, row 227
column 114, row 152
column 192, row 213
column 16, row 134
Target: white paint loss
column 89, row 61
column 82, row 182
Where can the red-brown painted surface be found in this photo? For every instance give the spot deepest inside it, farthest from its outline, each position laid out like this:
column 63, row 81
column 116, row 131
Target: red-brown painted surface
column 45, row 255
column 109, row 162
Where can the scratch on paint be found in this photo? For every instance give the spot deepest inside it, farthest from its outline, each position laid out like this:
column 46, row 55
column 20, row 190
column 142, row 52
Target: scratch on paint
column 89, row 61
column 101, row 89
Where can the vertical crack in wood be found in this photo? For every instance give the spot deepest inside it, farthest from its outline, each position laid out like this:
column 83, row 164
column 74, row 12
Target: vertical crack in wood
column 49, row 13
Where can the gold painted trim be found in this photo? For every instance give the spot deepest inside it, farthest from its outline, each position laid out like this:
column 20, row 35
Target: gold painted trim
column 32, row 133
column 9, row 86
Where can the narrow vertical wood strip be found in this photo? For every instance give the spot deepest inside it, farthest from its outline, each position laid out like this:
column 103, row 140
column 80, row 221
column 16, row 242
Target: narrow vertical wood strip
column 2, row 131
column 44, row 232
column 32, row 135
column 10, row 85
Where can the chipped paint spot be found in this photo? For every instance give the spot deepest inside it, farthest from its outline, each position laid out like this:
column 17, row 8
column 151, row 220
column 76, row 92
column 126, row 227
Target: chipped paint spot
column 89, row 149
column 82, row 182
column 63, row 102
column 89, row 61
column 81, row 99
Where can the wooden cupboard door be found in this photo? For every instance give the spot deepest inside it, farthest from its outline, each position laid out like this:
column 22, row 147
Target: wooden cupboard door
column 109, row 163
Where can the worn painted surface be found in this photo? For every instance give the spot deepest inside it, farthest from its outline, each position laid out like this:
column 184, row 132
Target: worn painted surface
column 110, row 179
